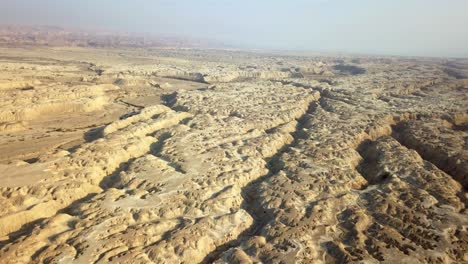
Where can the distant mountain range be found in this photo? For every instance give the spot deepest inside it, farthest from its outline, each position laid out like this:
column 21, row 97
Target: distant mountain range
column 14, row 35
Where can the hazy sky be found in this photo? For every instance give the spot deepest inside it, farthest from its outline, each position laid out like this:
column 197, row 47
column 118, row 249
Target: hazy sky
column 401, row 27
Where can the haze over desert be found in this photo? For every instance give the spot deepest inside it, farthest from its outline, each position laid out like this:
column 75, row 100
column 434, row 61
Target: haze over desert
column 125, row 148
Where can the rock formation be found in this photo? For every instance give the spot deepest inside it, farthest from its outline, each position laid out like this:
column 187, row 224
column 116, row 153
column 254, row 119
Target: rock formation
column 227, row 157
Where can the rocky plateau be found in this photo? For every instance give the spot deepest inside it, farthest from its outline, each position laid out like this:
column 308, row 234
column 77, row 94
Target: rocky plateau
column 166, row 155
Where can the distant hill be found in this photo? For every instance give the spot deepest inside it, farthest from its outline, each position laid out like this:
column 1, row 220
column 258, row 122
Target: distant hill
column 14, row 35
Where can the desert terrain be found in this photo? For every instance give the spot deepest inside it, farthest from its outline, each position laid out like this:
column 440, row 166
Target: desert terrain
column 168, row 155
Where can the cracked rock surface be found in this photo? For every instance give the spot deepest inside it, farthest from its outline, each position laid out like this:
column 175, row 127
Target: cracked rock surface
column 192, row 156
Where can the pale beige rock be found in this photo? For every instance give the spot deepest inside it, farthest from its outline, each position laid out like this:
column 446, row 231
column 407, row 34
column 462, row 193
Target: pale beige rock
column 188, row 156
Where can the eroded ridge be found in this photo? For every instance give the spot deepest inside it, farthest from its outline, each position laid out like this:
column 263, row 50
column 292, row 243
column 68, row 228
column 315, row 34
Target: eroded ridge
column 189, row 181
column 347, row 192
column 439, row 141
column 191, row 156
column 73, row 176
